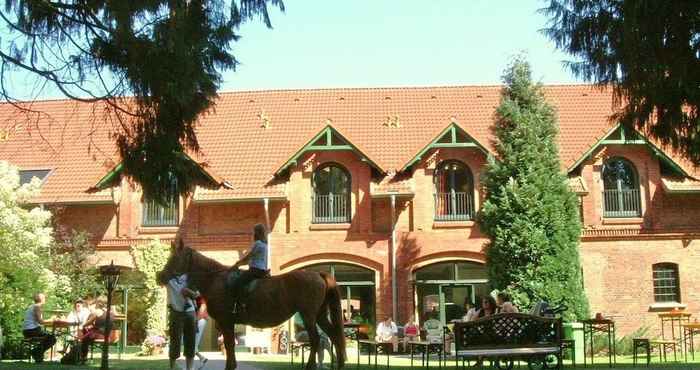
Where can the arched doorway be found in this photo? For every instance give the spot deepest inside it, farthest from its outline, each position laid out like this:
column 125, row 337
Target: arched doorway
column 441, row 289
column 357, row 289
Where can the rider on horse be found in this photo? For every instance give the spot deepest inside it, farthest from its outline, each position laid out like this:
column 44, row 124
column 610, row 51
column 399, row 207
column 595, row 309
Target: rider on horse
column 258, row 265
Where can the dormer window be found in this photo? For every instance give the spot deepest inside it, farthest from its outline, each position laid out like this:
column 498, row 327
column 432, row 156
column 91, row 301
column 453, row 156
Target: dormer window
column 331, row 197
column 454, row 192
column 26, row 176
column 621, row 196
column 159, row 214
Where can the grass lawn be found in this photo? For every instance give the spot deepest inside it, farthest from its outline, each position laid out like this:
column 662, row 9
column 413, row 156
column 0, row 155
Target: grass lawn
column 279, row 362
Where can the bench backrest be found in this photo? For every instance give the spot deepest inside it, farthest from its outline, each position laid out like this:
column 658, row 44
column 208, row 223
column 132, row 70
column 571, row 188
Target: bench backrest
column 508, row 330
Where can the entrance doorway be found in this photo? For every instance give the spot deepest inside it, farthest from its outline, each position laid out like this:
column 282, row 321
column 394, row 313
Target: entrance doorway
column 442, row 289
column 357, row 290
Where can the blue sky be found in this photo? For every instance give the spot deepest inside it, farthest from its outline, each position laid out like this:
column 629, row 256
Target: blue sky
column 362, row 43
column 369, row 43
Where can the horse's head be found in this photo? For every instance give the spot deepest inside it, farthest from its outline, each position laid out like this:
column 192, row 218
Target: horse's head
column 180, row 262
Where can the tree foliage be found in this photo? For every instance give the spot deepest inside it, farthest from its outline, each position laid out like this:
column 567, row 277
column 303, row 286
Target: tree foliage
column 75, row 273
column 648, row 51
column 166, row 56
column 149, row 259
column 25, row 242
column 530, row 214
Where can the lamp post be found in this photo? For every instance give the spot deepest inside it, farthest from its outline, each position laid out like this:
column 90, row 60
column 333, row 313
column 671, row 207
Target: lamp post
column 110, row 275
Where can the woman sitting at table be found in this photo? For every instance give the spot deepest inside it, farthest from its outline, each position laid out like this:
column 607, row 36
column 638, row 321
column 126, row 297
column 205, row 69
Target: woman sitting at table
column 95, row 328
column 471, row 310
column 411, row 332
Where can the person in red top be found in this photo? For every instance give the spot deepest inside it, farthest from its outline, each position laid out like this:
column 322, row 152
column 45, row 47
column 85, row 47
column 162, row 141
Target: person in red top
column 202, row 317
column 411, row 332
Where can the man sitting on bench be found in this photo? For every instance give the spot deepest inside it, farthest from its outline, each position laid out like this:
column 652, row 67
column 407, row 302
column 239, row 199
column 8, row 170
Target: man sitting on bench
column 387, row 332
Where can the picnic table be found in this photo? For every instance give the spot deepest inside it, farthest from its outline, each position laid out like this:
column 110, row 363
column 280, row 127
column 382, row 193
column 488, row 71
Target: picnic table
column 602, row 326
column 690, row 330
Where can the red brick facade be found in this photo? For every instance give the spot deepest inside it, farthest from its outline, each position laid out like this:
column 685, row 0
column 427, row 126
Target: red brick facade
column 617, row 254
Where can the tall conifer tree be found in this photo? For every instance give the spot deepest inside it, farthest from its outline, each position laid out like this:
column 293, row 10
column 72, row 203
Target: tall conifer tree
column 530, row 214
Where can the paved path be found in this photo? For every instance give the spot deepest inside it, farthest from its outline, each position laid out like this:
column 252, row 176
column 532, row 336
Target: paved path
column 216, row 362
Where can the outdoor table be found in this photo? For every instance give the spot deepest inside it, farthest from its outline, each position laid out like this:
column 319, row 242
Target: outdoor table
column 62, row 327
column 690, row 330
column 676, row 320
column 604, row 326
column 425, row 355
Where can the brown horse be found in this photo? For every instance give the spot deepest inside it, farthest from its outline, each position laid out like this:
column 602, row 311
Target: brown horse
column 271, row 302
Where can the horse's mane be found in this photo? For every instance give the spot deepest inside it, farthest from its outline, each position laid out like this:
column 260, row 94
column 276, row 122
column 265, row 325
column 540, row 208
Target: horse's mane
column 206, row 263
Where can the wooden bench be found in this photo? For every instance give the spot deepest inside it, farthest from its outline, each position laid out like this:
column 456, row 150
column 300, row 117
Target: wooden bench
column 504, row 338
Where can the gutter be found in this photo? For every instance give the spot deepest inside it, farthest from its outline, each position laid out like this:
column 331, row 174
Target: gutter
column 394, row 286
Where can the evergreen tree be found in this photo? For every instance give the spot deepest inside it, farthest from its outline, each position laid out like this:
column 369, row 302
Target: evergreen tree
column 647, row 51
column 530, row 214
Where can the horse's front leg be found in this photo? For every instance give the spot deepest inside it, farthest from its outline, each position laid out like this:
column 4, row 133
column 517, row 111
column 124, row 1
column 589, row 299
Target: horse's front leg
column 230, row 345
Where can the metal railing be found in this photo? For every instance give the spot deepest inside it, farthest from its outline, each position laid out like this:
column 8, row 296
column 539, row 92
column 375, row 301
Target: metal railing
column 330, row 209
column 454, row 206
column 622, row 203
column 155, row 214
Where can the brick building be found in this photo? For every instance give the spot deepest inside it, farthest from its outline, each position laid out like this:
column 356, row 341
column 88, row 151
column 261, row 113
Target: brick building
column 380, row 187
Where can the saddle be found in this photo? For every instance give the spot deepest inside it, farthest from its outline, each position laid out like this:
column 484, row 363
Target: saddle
column 233, row 283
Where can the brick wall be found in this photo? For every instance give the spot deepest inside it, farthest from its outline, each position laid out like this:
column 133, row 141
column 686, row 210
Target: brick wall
column 617, row 271
column 618, row 278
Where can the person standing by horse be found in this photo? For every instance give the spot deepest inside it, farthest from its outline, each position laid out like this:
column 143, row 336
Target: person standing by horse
column 258, row 266
column 182, row 325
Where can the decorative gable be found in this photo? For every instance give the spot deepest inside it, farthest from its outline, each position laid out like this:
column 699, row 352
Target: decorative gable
column 452, row 136
column 329, row 139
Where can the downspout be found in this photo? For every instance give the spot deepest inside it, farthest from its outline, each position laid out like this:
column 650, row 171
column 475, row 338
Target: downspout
column 266, row 205
column 394, row 279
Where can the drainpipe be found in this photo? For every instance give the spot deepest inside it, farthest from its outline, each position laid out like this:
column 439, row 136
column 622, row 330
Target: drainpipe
column 394, row 282
column 266, row 205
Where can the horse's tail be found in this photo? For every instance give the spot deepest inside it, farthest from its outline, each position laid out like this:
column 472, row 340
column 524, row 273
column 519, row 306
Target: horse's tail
column 336, row 311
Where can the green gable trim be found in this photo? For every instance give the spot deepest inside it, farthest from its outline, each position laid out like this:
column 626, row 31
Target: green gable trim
column 108, row 179
column 619, row 135
column 330, row 137
column 450, row 132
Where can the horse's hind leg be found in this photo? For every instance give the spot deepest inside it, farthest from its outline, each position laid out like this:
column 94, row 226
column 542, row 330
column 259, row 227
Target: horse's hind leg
column 314, row 340
column 327, row 328
column 230, row 345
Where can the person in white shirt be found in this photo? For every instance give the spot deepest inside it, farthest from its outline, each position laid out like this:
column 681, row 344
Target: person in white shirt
column 79, row 316
column 182, row 325
column 387, row 333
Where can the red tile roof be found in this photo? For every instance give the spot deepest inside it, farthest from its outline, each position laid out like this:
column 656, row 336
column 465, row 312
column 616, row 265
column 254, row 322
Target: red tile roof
column 73, row 139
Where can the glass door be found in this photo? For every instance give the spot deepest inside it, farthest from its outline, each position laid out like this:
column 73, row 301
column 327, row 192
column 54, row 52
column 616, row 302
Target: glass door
column 452, row 298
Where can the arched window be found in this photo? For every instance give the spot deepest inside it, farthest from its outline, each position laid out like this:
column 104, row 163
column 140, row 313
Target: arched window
column 331, row 198
column 621, row 189
column 454, row 192
column 666, row 283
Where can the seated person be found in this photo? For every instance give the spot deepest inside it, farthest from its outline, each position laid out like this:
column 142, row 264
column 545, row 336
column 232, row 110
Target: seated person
column 488, row 307
column 256, row 258
column 78, row 316
column 303, row 336
column 95, row 328
column 32, row 327
column 471, row 310
column 504, row 304
column 387, row 333
column 411, row 332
